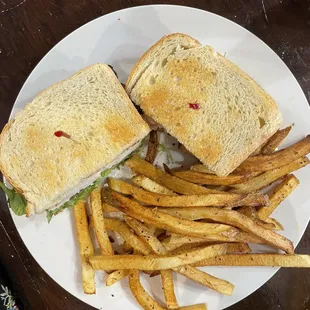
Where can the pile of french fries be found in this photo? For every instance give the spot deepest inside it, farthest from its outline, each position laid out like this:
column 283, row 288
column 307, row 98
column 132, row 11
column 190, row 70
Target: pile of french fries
column 176, row 221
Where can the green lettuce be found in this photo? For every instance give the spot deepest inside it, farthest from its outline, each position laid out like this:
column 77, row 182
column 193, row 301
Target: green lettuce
column 16, row 201
column 81, row 195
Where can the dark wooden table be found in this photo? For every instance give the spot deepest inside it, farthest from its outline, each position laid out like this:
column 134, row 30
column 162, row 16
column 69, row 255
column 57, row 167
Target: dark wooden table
column 30, row 28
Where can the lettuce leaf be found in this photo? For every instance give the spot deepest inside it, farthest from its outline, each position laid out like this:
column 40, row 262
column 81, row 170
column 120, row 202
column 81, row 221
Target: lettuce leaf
column 81, row 195
column 16, row 201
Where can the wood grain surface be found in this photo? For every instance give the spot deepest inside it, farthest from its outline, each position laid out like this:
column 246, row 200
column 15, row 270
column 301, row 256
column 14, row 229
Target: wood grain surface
column 30, row 28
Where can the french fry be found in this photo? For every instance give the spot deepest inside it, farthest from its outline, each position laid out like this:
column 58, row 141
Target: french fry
column 194, row 307
column 151, row 186
column 142, row 297
column 116, row 276
column 168, row 287
column 279, row 260
column 276, row 140
column 277, row 195
column 145, row 300
column 127, row 234
column 261, row 163
column 275, row 223
column 268, row 177
column 237, row 219
column 201, row 168
column 155, row 199
column 201, row 277
column 152, row 147
column 98, row 222
column 86, row 247
column 238, row 248
column 168, row 222
column 177, row 185
column 206, row 279
column 155, row 262
column 210, row 179
column 106, row 207
column 174, row 241
column 249, row 212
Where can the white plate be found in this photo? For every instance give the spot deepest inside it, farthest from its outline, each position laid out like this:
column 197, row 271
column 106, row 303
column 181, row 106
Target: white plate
column 119, row 39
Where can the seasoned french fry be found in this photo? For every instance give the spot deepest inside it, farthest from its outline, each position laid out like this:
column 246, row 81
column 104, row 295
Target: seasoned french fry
column 268, row 177
column 206, row 279
column 276, row 225
column 86, row 247
column 276, row 140
column 127, row 234
column 151, row 186
column 106, row 207
column 154, row 262
column 98, row 222
column 201, row 277
column 116, row 276
column 142, row 297
column 168, row 222
column 145, row 300
column 238, row 248
column 261, row 163
column 201, row 168
column 277, row 195
column 210, row 179
column 279, row 260
column 194, row 307
column 152, row 147
column 175, row 241
column 168, row 287
column 155, row 199
column 177, row 185
column 237, row 219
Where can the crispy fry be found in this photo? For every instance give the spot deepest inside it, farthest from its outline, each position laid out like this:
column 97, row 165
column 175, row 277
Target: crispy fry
column 152, row 147
column 151, row 186
column 249, row 212
column 210, row 179
column 127, row 234
column 180, row 186
column 154, row 262
column 277, row 195
column 194, row 307
column 106, row 207
column 168, row 222
column 237, row 219
column 279, row 260
column 276, row 225
column 276, row 140
column 142, row 297
column 268, row 177
column 264, row 224
column 202, row 168
column 168, row 287
column 155, row 199
column 278, row 159
column 201, row 277
column 238, row 248
column 86, row 247
column 98, row 222
column 174, row 241
column 116, row 276
column 206, row 279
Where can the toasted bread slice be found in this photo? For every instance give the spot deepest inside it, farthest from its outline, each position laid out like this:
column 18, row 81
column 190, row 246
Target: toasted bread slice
column 211, row 106
column 101, row 127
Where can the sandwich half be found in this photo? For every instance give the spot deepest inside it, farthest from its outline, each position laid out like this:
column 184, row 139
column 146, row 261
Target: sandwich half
column 68, row 137
column 211, row 106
